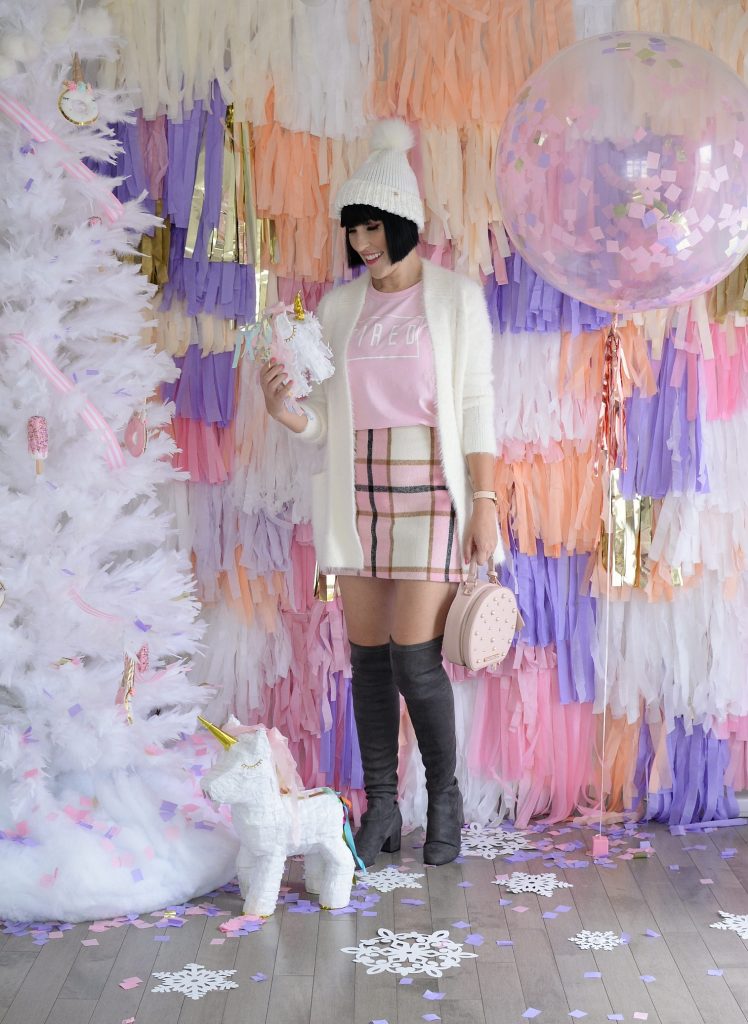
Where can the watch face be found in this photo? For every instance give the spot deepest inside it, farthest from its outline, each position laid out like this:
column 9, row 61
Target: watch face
column 77, row 103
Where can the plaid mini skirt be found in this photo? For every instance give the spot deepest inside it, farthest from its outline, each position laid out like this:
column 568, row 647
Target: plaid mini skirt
column 405, row 518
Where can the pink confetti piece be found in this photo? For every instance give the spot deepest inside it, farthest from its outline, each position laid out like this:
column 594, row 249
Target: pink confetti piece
column 129, row 1020
column 520, row 910
column 639, row 134
column 428, row 994
column 128, row 983
column 217, row 942
column 707, row 881
column 531, row 1012
column 640, row 1015
column 89, row 942
column 716, row 972
column 653, row 159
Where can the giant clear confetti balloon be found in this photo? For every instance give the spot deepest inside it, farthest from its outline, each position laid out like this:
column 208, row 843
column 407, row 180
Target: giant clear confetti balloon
column 622, row 171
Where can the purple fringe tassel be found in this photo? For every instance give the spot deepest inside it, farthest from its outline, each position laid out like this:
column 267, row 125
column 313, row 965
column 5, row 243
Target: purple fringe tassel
column 698, row 763
column 665, row 448
column 205, row 388
column 528, row 303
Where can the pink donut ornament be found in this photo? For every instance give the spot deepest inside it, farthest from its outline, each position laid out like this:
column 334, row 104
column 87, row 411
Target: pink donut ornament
column 136, row 435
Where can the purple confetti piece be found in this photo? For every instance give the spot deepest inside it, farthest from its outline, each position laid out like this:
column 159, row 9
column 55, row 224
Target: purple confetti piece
column 259, row 976
column 428, row 994
column 625, row 938
column 577, row 1013
column 615, row 1016
column 368, row 913
column 460, row 924
column 430, row 1016
column 28, row 185
column 652, row 934
column 716, row 972
column 161, row 938
column 343, row 910
column 504, row 942
column 476, row 939
column 144, row 627
column 505, row 903
column 562, row 909
column 464, row 885
column 549, row 915
column 531, row 1012
column 74, row 710
column 592, row 974
column 647, row 978
column 412, row 902
column 406, row 981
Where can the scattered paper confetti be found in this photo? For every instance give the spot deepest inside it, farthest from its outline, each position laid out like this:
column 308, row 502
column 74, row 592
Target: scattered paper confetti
column 474, row 940
column 647, row 978
column 128, row 983
column 592, row 974
column 652, row 934
column 259, row 976
column 716, row 972
column 430, row 1016
column 531, row 1012
column 577, row 1013
column 428, row 994
column 640, row 1015
column 460, row 924
column 89, row 942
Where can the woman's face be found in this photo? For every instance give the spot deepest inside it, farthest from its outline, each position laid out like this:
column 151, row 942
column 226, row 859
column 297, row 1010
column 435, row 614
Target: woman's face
column 369, row 241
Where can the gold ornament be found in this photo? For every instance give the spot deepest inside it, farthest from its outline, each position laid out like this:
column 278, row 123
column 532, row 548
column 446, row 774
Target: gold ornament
column 228, row 741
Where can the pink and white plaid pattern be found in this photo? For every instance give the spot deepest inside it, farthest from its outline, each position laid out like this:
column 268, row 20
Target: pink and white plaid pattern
column 406, row 522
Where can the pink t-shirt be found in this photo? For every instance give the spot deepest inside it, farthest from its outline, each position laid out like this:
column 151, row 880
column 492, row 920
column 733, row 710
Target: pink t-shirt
column 391, row 362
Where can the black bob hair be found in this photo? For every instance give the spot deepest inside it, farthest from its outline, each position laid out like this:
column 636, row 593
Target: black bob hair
column 401, row 234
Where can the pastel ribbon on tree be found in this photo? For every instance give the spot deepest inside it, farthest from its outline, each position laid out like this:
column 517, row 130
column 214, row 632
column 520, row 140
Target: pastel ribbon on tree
column 88, row 412
column 111, row 206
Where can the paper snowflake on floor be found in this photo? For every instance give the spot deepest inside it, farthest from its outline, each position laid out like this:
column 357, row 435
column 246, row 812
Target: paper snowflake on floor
column 490, row 841
column 389, row 878
column 194, row 981
column 733, row 923
column 409, row 953
column 542, row 885
column 596, row 940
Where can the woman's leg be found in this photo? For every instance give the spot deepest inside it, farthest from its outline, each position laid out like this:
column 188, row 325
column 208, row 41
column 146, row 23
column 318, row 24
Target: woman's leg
column 419, row 613
column 367, row 606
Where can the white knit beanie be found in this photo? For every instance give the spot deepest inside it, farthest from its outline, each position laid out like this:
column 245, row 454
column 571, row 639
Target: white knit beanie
column 385, row 180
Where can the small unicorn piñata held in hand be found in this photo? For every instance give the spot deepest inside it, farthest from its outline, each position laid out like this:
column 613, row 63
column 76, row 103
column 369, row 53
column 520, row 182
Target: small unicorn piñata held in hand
column 274, row 819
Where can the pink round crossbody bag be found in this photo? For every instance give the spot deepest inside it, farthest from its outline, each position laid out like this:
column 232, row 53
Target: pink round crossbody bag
column 481, row 621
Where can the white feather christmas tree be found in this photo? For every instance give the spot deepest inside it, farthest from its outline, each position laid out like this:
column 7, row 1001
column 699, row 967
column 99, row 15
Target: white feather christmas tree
column 100, row 806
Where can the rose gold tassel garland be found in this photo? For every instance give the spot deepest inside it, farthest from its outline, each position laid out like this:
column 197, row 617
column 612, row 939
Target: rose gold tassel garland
column 610, row 438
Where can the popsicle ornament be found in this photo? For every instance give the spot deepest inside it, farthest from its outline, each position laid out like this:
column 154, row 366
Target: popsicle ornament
column 38, row 440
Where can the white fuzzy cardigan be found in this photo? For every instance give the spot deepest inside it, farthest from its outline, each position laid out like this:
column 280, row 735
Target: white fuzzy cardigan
column 462, row 340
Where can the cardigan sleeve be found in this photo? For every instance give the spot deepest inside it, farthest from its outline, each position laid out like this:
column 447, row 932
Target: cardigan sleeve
column 315, row 405
column 479, row 432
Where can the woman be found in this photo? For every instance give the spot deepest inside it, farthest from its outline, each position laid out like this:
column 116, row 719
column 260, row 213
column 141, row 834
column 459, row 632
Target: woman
column 407, row 489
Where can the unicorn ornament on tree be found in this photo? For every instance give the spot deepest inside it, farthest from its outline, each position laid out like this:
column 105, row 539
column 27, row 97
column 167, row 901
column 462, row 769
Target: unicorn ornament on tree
column 275, row 819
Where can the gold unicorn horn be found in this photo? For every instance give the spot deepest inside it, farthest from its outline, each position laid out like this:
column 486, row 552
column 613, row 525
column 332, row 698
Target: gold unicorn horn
column 228, row 741
column 298, row 308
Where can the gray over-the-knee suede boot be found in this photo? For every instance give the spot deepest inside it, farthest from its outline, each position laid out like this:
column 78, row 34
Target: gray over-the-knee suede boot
column 376, row 707
column 419, row 675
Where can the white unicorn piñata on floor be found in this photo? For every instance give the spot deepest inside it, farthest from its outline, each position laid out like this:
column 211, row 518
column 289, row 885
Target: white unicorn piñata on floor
column 274, row 819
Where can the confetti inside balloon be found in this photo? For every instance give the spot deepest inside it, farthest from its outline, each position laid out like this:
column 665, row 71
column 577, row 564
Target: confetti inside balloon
column 622, row 172
column 38, row 440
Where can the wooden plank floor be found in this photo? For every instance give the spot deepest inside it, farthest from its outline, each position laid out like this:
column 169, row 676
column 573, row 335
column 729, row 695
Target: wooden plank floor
column 665, row 904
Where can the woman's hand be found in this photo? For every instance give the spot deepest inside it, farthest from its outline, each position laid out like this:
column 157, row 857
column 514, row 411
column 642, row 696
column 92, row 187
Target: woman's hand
column 483, row 531
column 275, row 387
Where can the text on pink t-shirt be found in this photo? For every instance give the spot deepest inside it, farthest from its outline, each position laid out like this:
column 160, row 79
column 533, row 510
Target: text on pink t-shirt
column 391, row 362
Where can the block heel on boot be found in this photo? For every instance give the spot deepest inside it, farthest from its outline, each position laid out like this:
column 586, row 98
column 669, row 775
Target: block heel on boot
column 379, row 833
